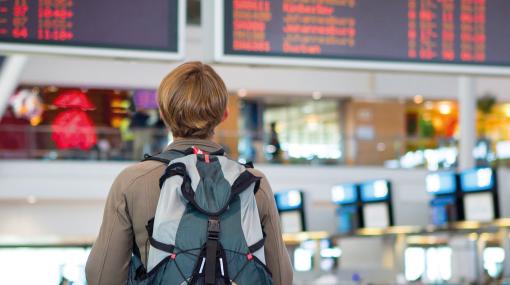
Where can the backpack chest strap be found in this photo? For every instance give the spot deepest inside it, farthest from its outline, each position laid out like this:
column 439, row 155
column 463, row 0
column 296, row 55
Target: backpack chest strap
column 213, row 236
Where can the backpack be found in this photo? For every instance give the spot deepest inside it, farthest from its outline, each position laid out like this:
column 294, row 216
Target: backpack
column 206, row 229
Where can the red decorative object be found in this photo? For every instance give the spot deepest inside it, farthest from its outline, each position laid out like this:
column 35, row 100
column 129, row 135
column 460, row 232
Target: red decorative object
column 73, row 99
column 73, row 129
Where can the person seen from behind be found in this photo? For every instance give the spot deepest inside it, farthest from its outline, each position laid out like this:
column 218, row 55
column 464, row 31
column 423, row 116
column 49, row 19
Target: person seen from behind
column 192, row 101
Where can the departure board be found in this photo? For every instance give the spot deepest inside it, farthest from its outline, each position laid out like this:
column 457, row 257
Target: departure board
column 130, row 28
column 442, row 33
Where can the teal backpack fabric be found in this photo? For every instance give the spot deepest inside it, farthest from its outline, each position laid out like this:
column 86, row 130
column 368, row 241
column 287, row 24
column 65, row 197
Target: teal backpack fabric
column 206, row 230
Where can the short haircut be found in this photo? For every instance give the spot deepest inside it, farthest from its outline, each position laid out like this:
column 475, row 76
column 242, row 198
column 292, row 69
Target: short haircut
column 192, row 100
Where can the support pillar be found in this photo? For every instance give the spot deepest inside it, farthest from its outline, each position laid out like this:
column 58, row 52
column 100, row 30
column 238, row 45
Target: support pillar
column 467, row 121
column 9, row 78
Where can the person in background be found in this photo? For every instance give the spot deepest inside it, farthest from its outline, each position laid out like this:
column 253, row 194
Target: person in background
column 104, row 147
column 274, row 149
column 141, row 133
column 192, row 101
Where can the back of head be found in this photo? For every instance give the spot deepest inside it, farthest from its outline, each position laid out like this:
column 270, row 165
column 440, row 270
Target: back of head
column 192, row 100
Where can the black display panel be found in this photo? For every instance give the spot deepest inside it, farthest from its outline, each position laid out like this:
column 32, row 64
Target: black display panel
column 441, row 32
column 153, row 27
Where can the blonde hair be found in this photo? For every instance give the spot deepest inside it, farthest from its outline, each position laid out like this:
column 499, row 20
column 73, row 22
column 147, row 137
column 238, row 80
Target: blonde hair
column 192, row 100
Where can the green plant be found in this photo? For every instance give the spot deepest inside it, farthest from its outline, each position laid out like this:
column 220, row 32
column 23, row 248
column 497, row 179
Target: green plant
column 486, row 103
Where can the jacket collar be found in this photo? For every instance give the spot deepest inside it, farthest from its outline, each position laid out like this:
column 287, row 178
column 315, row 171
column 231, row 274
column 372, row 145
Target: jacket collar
column 203, row 144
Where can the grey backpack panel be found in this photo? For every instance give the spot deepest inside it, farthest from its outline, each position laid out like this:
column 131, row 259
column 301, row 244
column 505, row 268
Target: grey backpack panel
column 206, row 203
column 213, row 190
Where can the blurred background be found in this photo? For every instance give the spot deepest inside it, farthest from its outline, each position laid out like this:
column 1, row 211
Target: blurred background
column 383, row 127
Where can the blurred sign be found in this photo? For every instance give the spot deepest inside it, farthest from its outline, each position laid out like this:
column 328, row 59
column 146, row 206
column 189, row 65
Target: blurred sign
column 344, row 194
column 480, row 179
column 145, row 99
column 377, row 190
column 290, row 200
column 441, row 183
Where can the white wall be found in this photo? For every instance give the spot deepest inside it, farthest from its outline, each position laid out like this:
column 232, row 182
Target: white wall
column 71, row 194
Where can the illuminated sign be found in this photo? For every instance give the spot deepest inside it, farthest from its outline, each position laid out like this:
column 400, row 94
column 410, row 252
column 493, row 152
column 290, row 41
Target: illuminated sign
column 441, row 183
column 114, row 28
column 290, row 200
column 480, row 179
column 344, row 194
column 428, row 35
column 377, row 190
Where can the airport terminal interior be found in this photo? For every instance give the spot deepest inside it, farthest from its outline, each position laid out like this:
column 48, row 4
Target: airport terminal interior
column 383, row 127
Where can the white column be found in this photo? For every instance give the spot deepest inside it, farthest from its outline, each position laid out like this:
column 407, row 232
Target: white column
column 209, row 33
column 505, row 233
column 9, row 78
column 467, row 121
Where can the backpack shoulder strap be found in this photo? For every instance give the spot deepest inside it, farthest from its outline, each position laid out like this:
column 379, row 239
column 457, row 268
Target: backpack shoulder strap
column 166, row 156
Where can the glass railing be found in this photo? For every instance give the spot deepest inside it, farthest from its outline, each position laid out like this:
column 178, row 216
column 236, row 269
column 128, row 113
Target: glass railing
column 106, row 143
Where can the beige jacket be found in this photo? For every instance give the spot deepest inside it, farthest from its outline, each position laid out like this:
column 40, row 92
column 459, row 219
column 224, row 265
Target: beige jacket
column 132, row 202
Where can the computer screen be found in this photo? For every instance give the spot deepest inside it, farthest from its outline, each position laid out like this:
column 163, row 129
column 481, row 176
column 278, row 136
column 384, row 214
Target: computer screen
column 479, row 179
column 347, row 219
column 442, row 210
column 441, row 183
column 479, row 207
column 289, row 200
column 377, row 190
column 291, row 222
column 344, row 194
column 376, row 215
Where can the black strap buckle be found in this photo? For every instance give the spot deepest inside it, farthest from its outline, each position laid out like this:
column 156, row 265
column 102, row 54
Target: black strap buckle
column 213, row 235
column 213, row 228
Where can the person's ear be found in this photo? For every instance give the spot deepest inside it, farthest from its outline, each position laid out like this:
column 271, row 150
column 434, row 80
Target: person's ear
column 225, row 116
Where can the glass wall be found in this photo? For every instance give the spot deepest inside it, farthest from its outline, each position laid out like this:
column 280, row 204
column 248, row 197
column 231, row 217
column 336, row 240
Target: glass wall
column 303, row 131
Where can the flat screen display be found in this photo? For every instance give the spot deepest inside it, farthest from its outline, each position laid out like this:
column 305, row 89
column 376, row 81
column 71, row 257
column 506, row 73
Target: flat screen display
column 344, row 194
column 448, row 32
column 347, row 219
column 441, row 183
column 93, row 27
column 376, row 215
column 145, row 99
column 377, row 190
column 291, row 222
column 442, row 210
column 479, row 207
column 289, row 200
column 480, row 179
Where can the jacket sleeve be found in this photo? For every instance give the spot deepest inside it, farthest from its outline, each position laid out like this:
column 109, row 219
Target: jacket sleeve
column 109, row 259
column 277, row 257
